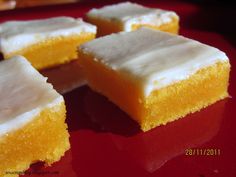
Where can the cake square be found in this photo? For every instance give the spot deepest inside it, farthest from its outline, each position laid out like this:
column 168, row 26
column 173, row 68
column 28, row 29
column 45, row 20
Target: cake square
column 32, row 118
column 155, row 77
column 45, row 42
column 127, row 16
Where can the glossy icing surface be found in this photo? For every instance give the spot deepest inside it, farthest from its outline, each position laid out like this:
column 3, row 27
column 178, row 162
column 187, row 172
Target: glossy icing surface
column 153, row 58
column 16, row 35
column 23, row 93
column 132, row 13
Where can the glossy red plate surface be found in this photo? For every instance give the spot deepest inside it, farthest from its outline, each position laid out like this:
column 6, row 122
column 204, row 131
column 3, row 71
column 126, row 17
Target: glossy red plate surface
column 105, row 142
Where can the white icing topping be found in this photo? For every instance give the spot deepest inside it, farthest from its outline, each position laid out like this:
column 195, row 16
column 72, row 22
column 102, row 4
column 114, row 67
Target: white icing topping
column 24, row 93
column 132, row 13
column 16, row 35
column 152, row 58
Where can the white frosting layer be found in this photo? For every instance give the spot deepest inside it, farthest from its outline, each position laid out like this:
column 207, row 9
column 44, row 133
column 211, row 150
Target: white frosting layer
column 16, row 35
column 132, row 13
column 24, row 93
column 152, row 58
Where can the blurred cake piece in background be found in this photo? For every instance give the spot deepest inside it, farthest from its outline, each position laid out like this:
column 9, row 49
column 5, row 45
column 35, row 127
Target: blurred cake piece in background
column 129, row 16
column 11, row 4
column 7, row 4
column 45, row 42
column 30, row 3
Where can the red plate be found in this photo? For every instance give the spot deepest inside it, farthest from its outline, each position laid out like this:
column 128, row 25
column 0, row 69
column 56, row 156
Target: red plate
column 105, row 142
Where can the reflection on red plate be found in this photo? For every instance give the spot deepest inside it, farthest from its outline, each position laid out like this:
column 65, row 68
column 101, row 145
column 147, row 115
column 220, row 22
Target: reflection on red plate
column 160, row 144
column 66, row 77
column 59, row 169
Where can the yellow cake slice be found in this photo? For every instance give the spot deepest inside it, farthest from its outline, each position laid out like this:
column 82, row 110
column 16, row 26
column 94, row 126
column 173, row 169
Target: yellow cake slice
column 156, row 77
column 127, row 16
column 32, row 118
column 47, row 42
